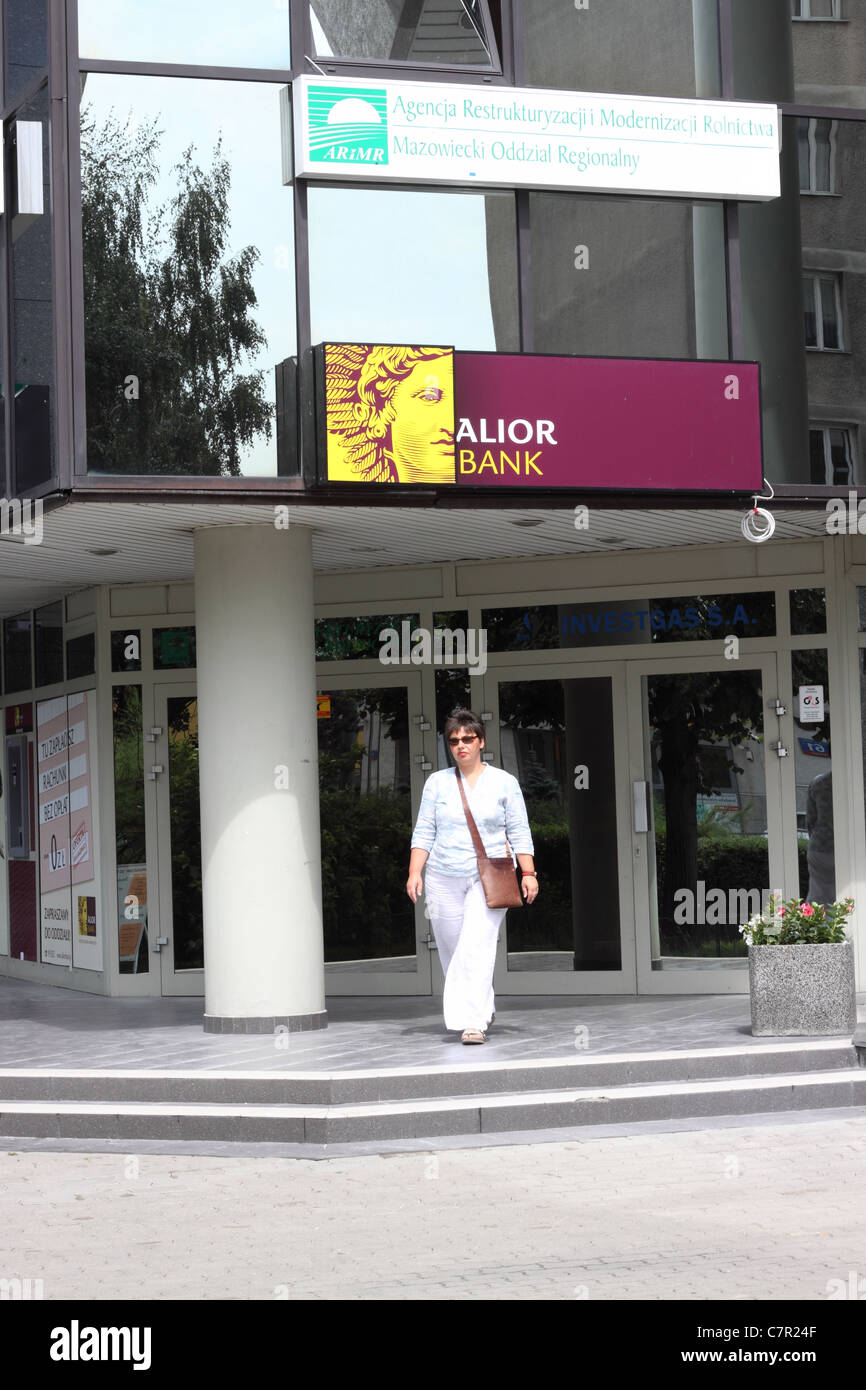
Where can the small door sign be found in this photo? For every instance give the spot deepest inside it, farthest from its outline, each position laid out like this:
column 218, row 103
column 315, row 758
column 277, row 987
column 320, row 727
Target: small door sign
column 811, row 699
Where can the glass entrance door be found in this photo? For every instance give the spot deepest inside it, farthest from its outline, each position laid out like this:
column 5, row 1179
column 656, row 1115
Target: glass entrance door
column 180, row 942
column 562, row 735
column 707, row 816
column 370, row 780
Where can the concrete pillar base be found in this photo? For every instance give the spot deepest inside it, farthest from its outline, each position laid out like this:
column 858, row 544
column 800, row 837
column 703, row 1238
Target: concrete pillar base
column 293, row 1023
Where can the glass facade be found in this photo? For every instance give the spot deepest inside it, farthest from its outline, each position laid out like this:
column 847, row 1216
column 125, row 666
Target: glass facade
column 196, row 312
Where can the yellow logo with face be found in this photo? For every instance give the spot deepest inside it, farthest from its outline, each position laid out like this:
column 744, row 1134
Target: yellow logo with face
column 389, row 414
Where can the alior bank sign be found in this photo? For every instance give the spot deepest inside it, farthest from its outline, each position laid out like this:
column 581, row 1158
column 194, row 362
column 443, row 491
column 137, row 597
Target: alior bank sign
column 508, row 137
column 426, row 416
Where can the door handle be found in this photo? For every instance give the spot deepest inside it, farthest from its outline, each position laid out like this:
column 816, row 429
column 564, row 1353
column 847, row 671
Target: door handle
column 160, row 942
column 639, row 800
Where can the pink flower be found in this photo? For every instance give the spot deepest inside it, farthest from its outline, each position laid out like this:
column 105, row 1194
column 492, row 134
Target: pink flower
column 782, row 911
column 808, row 910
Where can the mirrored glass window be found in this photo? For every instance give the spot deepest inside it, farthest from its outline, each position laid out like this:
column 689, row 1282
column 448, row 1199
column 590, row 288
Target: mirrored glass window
column 28, row 154
column 628, row 278
column 813, row 770
column 188, row 276
column 669, row 48
column 173, row 648
column 132, row 946
column 709, row 868
column 48, row 630
column 364, row 779
column 126, row 650
column 81, row 656
column 219, row 33
column 391, row 266
column 406, row 31
column 808, row 611
column 17, row 653
column 26, row 39
column 829, row 42
column 358, row 639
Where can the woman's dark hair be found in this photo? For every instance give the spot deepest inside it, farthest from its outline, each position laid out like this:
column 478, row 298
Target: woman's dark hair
column 463, row 719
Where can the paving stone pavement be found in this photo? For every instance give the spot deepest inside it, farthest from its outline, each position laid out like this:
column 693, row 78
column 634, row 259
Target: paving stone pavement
column 42, row 1026
column 749, row 1212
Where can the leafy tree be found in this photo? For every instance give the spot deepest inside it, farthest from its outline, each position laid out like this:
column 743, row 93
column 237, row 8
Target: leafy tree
column 169, row 317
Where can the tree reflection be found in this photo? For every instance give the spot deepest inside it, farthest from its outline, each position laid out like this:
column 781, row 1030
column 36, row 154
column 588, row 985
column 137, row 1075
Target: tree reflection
column 169, row 315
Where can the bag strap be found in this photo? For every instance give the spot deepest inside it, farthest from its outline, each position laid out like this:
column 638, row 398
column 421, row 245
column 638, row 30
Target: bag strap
column 480, row 851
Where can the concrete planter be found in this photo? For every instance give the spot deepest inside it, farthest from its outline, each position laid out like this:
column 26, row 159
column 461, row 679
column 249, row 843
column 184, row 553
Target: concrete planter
column 802, row 991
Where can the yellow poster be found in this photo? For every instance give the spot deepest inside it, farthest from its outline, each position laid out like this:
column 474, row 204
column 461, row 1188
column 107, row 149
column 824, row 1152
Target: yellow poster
column 389, row 414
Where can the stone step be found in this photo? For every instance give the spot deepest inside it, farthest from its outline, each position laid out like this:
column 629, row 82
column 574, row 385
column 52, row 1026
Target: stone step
column 472, row 1077
column 429, row 1118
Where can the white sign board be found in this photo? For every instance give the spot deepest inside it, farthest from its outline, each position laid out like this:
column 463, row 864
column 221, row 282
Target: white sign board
column 811, row 699
column 527, row 137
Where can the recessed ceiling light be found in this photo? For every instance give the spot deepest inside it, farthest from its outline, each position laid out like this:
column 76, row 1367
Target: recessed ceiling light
column 528, row 523
column 102, row 552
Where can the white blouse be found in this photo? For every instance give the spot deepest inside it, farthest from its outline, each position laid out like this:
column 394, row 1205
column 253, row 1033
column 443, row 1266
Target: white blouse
column 497, row 805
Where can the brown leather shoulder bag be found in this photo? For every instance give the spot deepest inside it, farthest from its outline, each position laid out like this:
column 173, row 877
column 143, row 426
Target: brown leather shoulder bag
column 498, row 876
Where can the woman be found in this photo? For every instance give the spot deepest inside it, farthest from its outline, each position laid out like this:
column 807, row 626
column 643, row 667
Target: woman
column 465, row 928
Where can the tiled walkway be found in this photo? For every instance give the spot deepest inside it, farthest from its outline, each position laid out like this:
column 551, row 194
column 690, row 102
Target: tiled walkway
column 41, row 1026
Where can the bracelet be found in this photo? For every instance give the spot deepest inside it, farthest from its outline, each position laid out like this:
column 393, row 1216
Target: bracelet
column 529, row 873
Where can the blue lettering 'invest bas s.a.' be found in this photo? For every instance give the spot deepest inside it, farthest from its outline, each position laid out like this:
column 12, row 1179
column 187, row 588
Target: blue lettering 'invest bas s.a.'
column 651, row 620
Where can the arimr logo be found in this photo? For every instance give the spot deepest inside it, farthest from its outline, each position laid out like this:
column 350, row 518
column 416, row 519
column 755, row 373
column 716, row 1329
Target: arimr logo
column 348, row 125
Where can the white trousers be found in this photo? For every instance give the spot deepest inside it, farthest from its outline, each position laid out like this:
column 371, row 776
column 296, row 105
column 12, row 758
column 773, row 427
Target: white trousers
column 466, row 932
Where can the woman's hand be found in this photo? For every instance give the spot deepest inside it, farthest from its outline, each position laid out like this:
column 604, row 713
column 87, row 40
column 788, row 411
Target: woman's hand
column 414, row 886
column 529, row 888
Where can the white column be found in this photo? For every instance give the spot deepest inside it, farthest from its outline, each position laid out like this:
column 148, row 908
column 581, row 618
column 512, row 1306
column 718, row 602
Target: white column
column 258, row 773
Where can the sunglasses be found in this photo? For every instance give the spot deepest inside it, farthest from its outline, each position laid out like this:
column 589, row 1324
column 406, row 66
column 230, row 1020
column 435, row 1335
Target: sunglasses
column 466, row 738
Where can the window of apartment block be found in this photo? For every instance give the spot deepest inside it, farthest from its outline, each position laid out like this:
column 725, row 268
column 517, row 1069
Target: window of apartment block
column 822, row 295
column 816, row 9
column 833, row 455
column 817, row 151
